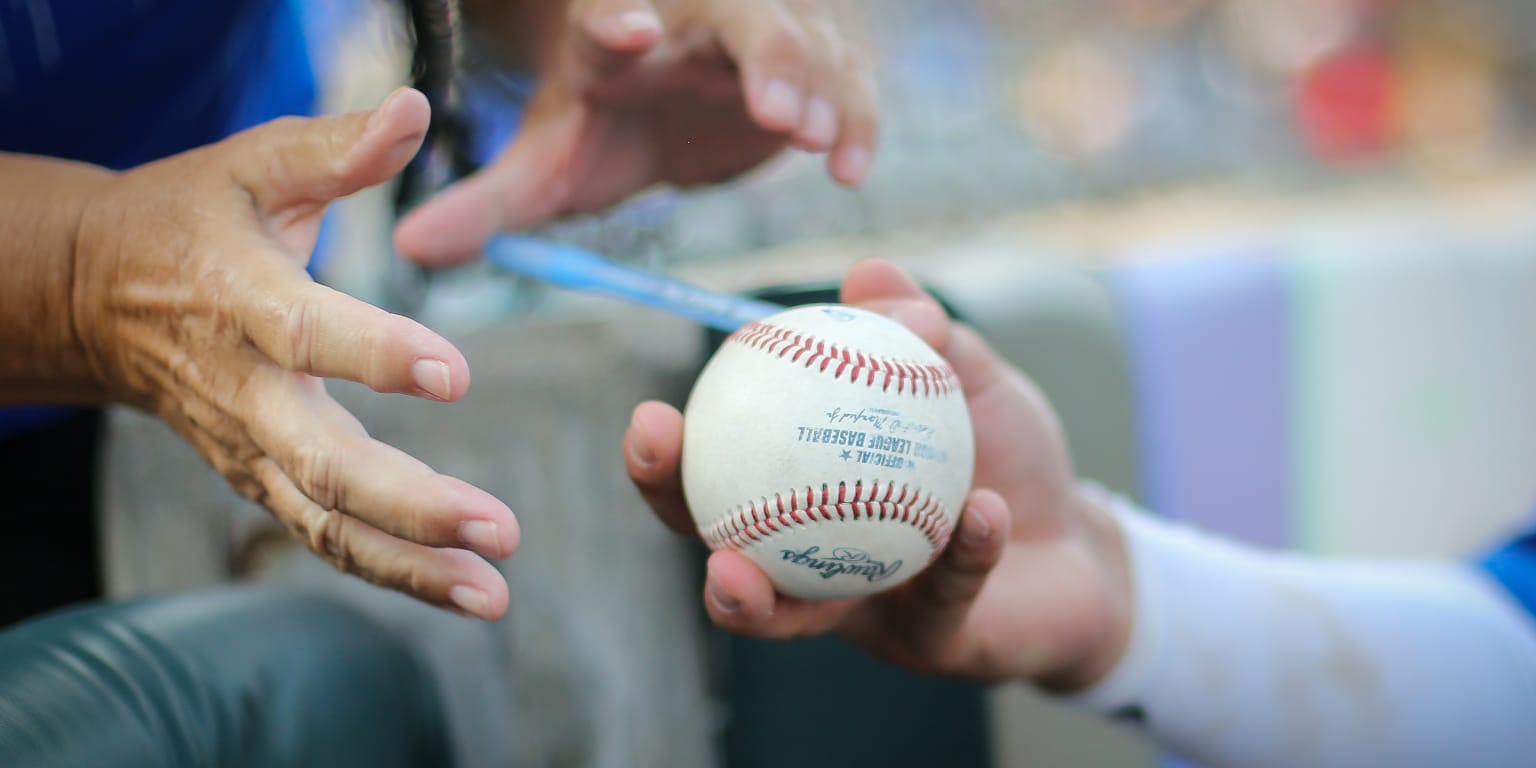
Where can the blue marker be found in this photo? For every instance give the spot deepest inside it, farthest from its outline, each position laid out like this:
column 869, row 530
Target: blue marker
column 578, row 269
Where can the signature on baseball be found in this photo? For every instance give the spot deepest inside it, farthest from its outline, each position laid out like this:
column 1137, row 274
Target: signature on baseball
column 881, row 419
column 842, row 560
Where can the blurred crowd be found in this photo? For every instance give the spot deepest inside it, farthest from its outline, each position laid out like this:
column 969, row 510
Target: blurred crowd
column 997, row 105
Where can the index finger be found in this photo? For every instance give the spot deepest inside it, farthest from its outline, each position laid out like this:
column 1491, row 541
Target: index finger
column 310, row 328
column 309, row 437
column 771, row 49
column 872, row 279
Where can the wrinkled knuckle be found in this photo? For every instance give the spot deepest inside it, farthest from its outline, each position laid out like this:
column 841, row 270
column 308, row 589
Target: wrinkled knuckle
column 420, row 519
column 301, row 328
column 318, row 469
column 422, row 585
column 381, row 342
column 248, row 488
column 188, row 375
column 327, row 537
column 241, row 480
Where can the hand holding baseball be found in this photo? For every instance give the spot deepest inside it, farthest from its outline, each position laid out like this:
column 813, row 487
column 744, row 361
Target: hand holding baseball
column 1032, row 585
column 831, row 446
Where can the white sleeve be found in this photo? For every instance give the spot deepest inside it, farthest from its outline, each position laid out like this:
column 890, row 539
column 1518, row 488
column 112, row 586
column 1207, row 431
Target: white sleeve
column 1240, row 657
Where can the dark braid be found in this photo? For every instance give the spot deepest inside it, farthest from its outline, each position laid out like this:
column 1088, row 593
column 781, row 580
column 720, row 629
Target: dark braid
column 433, row 26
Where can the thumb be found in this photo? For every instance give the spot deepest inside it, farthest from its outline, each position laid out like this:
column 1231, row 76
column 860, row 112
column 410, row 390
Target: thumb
column 297, row 161
column 938, row 600
column 528, row 184
column 945, row 590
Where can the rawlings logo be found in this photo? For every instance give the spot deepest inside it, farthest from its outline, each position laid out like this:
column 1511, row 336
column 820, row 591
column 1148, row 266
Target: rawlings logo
column 843, row 560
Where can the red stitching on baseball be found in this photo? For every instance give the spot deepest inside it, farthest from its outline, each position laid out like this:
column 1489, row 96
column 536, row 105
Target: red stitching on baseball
column 919, row 379
column 751, row 522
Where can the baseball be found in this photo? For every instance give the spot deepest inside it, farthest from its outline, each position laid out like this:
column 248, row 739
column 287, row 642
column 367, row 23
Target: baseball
column 831, row 446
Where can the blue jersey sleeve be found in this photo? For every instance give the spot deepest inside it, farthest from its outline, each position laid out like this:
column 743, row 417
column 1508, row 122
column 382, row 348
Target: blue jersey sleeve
column 1513, row 564
column 120, row 83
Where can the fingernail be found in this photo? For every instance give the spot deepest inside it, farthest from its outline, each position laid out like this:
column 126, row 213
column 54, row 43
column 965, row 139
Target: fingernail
column 432, row 377
column 403, row 151
column 640, row 444
column 724, row 603
column 638, row 21
column 481, row 536
column 470, row 599
column 976, row 532
column 781, row 103
column 820, row 122
column 855, row 163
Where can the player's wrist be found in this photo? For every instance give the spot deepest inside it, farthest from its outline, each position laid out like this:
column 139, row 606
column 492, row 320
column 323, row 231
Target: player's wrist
column 1112, row 617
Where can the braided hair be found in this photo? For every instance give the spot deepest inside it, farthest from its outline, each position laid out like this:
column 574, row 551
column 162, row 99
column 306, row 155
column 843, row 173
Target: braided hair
column 433, row 27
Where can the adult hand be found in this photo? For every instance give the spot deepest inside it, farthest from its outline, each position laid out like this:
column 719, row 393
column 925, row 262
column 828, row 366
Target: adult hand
column 638, row 92
column 1033, row 585
column 191, row 300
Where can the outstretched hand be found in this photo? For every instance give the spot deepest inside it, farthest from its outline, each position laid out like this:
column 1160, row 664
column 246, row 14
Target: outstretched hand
column 634, row 93
column 193, row 302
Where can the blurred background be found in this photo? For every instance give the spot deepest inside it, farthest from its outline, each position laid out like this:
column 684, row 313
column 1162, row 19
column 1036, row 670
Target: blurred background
column 1274, row 262
column 1181, row 118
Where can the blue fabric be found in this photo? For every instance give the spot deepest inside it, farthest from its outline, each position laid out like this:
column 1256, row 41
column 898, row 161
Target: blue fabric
column 119, row 83
column 1514, row 565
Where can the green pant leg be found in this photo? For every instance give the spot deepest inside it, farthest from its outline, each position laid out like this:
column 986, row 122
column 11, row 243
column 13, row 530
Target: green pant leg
column 230, row 677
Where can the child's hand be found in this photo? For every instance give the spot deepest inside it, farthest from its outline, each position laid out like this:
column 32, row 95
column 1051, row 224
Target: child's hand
column 634, row 93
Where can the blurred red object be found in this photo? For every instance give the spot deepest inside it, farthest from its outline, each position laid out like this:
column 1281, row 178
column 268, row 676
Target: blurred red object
column 1344, row 103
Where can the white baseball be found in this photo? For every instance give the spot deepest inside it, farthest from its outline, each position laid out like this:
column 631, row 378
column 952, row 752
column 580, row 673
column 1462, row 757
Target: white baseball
column 831, row 446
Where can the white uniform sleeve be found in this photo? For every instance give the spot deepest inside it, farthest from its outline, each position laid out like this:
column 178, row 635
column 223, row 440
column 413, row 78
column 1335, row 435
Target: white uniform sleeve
column 1240, row 657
